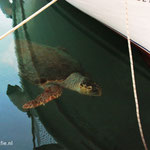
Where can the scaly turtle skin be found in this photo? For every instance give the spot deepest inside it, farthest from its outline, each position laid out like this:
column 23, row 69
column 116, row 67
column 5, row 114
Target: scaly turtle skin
column 53, row 69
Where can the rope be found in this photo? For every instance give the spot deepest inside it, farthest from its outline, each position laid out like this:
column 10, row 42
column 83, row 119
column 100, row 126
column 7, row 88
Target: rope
column 133, row 79
column 28, row 19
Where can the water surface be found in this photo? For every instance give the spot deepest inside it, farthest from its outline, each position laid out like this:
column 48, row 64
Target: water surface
column 73, row 121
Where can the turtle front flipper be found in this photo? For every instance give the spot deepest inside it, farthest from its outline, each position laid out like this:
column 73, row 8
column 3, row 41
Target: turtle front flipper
column 49, row 94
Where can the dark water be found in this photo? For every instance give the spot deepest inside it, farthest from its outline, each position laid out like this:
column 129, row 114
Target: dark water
column 73, row 121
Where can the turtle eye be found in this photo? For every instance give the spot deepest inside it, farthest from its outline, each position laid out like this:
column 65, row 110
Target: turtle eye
column 82, row 84
column 86, row 84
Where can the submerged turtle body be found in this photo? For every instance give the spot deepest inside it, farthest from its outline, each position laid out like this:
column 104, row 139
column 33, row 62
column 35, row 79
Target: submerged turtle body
column 53, row 69
column 47, row 63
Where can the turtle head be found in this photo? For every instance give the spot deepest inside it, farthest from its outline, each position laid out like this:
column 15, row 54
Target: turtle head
column 82, row 84
column 88, row 87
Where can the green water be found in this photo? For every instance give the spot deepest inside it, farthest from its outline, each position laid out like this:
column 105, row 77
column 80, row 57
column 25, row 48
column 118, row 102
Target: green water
column 73, row 121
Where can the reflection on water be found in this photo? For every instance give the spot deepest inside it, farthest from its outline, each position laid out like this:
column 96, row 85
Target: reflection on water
column 6, row 8
column 13, row 123
column 73, row 121
column 40, row 136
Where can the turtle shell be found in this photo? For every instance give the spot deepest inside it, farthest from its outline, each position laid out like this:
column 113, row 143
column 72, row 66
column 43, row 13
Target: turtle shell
column 39, row 63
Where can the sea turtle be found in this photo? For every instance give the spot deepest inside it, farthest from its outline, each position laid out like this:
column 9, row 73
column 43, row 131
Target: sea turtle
column 53, row 69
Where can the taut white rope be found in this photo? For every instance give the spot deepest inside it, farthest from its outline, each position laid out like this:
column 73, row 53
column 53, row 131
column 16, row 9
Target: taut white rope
column 133, row 78
column 28, row 19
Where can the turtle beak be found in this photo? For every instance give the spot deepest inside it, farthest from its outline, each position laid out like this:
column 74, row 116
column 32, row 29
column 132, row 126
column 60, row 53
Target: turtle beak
column 96, row 90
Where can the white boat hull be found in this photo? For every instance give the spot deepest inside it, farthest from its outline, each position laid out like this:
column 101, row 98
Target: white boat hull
column 113, row 14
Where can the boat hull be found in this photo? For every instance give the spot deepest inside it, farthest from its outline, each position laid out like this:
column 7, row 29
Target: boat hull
column 113, row 15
